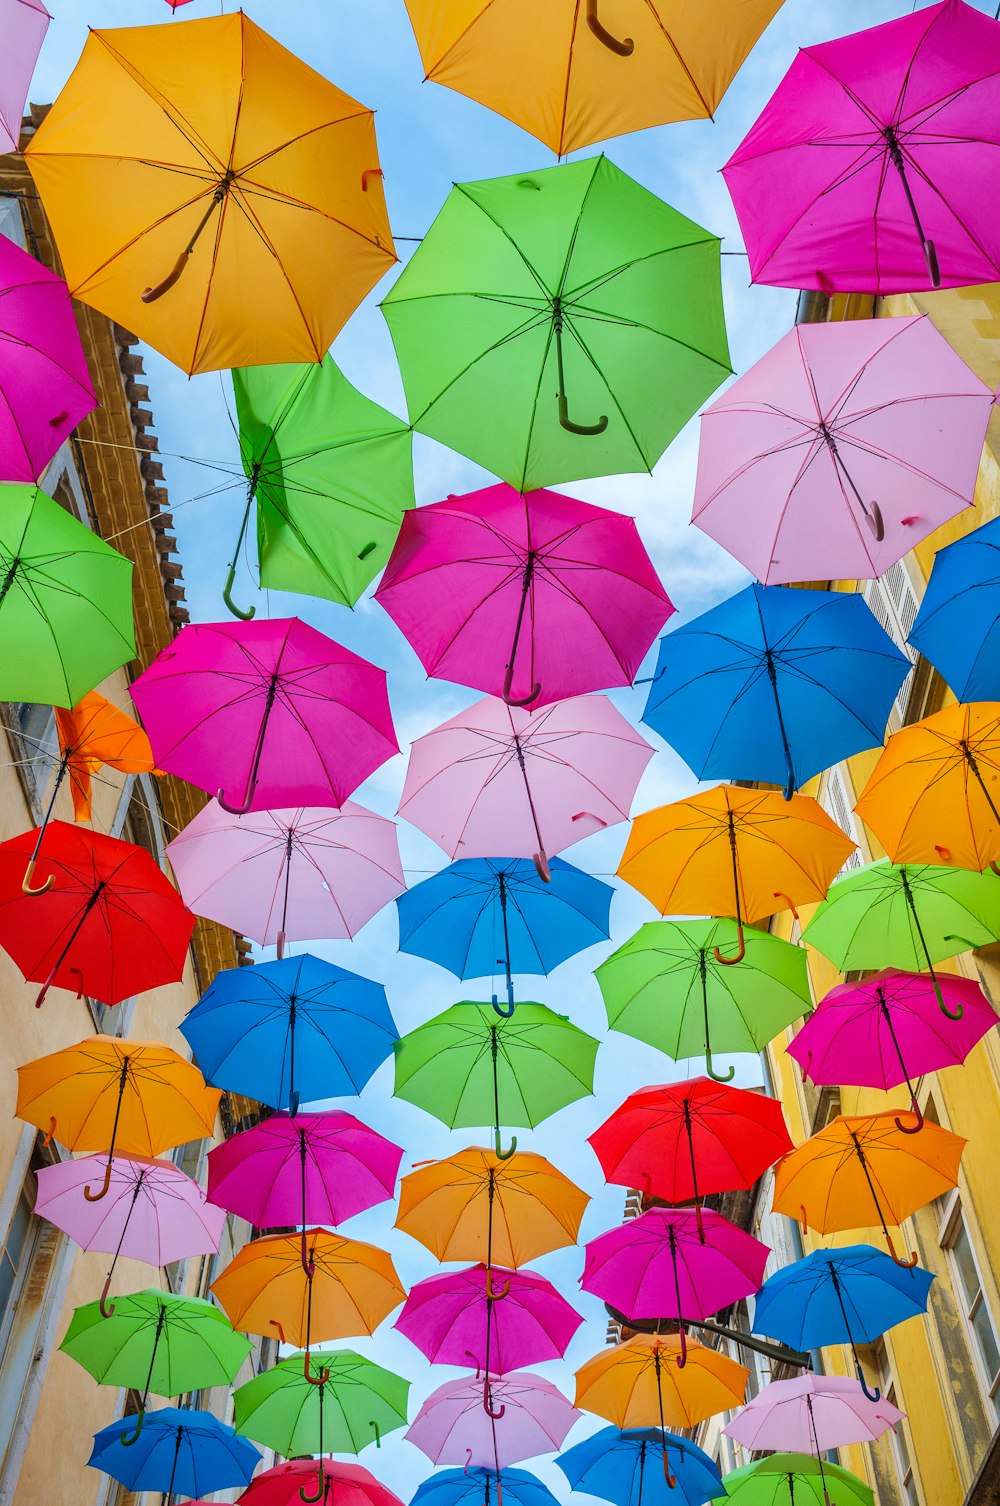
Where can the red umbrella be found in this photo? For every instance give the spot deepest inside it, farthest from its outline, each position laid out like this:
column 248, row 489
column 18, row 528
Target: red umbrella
column 316, row 1480
column 110, row 926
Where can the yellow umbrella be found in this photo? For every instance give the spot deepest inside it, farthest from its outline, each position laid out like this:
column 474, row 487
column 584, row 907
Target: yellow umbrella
column 206, row 159
column 642, row 1383
column 577, row 71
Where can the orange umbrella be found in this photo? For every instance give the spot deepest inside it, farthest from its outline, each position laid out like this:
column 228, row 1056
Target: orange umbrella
column 642, row 1383
column 933, row 796
column 733, row 851
column 862, row 1164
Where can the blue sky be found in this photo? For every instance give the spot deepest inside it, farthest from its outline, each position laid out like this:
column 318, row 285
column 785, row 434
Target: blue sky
column 428, row 138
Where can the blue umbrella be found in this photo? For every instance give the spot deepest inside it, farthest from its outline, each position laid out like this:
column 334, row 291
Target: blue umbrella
column 958, row 624
column 849, row 1296
column 483, row 1487
column 483, row 913
column 288, row 1031
column 630, row 1468
column 189, row 1452
column 775, row 684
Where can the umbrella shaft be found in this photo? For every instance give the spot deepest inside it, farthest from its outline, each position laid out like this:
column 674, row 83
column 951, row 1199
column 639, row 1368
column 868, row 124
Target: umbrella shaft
column 63, row 765
column 895, row 1042
column 973, row 763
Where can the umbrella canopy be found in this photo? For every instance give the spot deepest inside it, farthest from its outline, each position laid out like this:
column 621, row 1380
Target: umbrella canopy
column 496, row 778
column 784, row 1479
column 180, row 1450
column 852, row 441
column 957, row 627
column 331, row 473
column 574, row 311
column 665, row 987
column 353, row 1404
column 452, row 1427
column 639, row 1465
column 851, row 1295
column 317, row 1480
column 206, row 155
column 297, row 1029
column 482, row 1487
column 93, row 734
column 65, row 602
column 23, row 24
column 862, row 172
column 272, row 713
column 45, row 388
column 643, row 1383
column 775, row 685
column 811, row 1413
column 533, row 598
column 450, row 1319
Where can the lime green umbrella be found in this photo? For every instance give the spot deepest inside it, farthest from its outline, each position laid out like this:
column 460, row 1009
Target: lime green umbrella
column 343, row 1403
column 331, row 473
column 665, row 987
column 65, row 602
column 559, row 324
column 471, row 1066
column 793, row 1480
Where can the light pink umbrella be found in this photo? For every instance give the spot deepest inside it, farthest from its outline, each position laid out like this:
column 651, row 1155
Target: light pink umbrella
column 840, row 450
column 810, row 1414
column 23, row 24
column 296, row 875
column 452, row 1428
column 500, row 781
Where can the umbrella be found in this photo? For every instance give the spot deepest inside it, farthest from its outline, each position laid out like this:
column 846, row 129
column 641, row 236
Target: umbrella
column 23, row 24
column 65, row 602
column 354, row 1403
column 497, row 778
column 272, row 711
column 909, row 916
column 153, row 1211
column 559, row 324
column 288, row 875
column 928, row 799
column 206, row 155
column 331, row 473
column 733, row 851
column 180, row 1450
column 476, row 1206
column 320, row 1480
column 888, row 1029
column 812, row 1413
column 794, row 1480
column 665, row 987
column 846, row 444
column 847, row 1296
column 110, row 925
column 612, row 1465
column 775, row 685
column 572, row 85
column 467, row 1067
column 452, row 1428
column 641, row 1383
column 103, row 1094
column 482, row 913
column 863, row 172
column 45, row 389
column 532, row 598
column 475, row 1486
column 295, row 1029
column 156, row 1341
column 858, row 1163
column 959, row 615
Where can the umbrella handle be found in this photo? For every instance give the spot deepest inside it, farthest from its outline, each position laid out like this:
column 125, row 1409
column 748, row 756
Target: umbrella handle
column 717, row 1076
column 95, row 1197
column 51, row 1134
column 309, row 1266
column 503, row 1010
column 541, row 863
column 805, row 1218
column 280, row 944
column 933, row 266
column 873, row 517
column 911, row 1129
column 623, row 49
column 907, row 1265
column 237, row 810
column 780, row 894
column 227, row 596
column 994, row 867
column 670, row 1479
column 503, row 1155
column 311, row 1500
column 107, row 1308
column 524, row 700
column 940, row 997
column 468, row 1455
column 293, row 1104
column 872, row 1396
column 129, row 1438
column 29, row 874
column 487, row 1407
column 731, row 961
column 472, row 1357
column 378, row 1433
column 173, row 276
column 273, row 1322
column 574, row 428
column 494, row 1296
column 314, row 1380
column 682, row 1358
column 40, row 996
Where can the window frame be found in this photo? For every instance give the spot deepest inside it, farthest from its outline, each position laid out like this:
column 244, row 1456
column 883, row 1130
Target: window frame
column 954, row 1221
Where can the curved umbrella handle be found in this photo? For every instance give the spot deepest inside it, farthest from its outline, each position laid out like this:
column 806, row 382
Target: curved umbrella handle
column 503, row 1155
column 907, row 1265
column 717, row 1076
column 311, row 1500
column 129, row 1439
column 541, row 863
column 227, row 596
column 487, row 1407
column 623, row 49
column 682, row 1358
column 79, row 976
column 173, row 276
column 42, row 992
column 805, row 1218
column 314, row 1380
column 95, row 1197
column 273, row 1322
column 731, row 961
column 279, row 945
column 503, row 1010
column 780, row 894
column 51, row 1132
column 873, row 517
column 933, row 266
column 468, row 1455
column 107, row 1308
column 237, row 810
column 524, row 700
column 911, row 1129
column 293, row 1103
column 994, row 867
column 574, row 428
column 474, row 1360
column 29, row 874
column 670, row 1479
column 494, row 1296
column 700, row 1223
column 377, row 1431
column 873, row 1396
column 940, row 999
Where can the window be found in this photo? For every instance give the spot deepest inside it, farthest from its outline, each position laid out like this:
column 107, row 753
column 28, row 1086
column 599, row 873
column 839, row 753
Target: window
column 27, row 1256
column 139, row 820
column 897, row 1446
column 973, row 1304
column 894, row 604
column 190, row 1159
column 837, row 803
column 12, row 220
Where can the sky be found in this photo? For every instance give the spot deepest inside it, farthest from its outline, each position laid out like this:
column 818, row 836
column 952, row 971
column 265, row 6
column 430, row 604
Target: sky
column 430, row 137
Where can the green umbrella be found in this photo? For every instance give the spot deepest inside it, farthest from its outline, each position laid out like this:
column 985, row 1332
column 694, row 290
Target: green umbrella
column 156, row 1342
column 666, row 988
column 352, row 1404
column 793, row 1480
column 65, row 602
column 908, row 916
column 559, row 324
column 470, row 1066
column 331, row 473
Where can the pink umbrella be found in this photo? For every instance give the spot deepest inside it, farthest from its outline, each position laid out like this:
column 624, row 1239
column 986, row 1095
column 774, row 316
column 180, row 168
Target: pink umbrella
column 890, row 1029
column 23, row 24
column 152, row 1211
column 841, row 449
column 295, row 875
column 275, row 713
column 865, row 171
column 496, row 780
column 452, row 1428
column 531, row 597
column 44, row 383
column 810, row 1414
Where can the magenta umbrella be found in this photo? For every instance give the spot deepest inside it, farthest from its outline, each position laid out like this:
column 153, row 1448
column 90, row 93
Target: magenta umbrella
column 496, row 780
column 295, row 875
column 452, row 1427
column 810, row 1414
column 152, row 1211
column 44, row 383
column 23, row 24
column 889, row 1029
column 841, row 449
column 530, row 597
column 865, row 171
column 266, row 713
